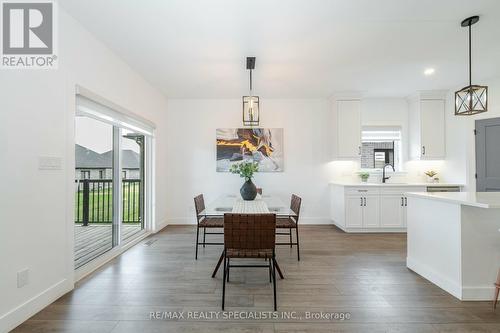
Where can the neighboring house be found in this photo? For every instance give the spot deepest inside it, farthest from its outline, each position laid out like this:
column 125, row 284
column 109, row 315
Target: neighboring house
column 92, row 165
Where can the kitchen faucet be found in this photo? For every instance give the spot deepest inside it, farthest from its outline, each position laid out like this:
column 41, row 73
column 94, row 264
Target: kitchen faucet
column 384, row 178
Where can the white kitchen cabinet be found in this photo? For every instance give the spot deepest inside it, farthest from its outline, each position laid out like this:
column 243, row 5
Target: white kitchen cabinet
column 348, row 129
column 362, row 211
column 372, row 208
column 427, row 129
column 371, row 211
column 392, row 211
column 354, row 212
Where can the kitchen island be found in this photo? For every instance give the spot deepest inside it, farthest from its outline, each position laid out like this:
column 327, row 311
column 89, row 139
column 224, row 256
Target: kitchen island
column 454, row 241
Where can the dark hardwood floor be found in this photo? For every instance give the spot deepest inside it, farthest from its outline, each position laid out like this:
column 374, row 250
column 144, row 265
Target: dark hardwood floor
column 363, row 275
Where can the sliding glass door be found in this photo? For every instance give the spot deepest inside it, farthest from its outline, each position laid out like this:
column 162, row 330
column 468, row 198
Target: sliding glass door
column 132, row 175
column 94, row 207
column 111, row 193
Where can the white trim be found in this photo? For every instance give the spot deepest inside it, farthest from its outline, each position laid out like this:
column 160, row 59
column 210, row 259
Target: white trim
column 429, row 274
column 19, row 314
column 478, row 293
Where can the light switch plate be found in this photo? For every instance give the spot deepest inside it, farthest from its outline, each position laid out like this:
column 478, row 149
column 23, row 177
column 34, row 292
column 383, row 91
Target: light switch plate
column 22, row 278
column 49, row 163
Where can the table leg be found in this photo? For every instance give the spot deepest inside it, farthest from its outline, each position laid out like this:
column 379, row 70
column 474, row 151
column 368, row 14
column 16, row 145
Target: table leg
column 218, row 264
column 279, row 269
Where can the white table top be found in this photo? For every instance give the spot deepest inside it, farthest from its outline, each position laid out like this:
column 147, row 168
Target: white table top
column 234, row 204
column 474, row 199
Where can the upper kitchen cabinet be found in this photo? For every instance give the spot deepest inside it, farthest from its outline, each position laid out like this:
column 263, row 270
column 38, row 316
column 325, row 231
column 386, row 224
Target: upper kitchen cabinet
column 348, row 136
column 427, row 126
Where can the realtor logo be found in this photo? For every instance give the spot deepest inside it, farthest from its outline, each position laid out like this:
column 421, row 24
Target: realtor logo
column 28, row 31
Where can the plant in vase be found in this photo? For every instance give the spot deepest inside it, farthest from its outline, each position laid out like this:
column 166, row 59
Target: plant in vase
column 246, row 170
column 430, row 175
column 364, row 176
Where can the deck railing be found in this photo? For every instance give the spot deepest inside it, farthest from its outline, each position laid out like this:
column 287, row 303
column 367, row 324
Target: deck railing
column 94, row 201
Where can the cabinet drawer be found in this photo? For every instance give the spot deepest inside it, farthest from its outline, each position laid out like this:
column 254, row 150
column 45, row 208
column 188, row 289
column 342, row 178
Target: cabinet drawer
column 362, row 190
column 401, row 190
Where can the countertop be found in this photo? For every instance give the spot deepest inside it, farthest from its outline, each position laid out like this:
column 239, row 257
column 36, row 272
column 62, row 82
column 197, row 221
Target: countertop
column 474, row 199
column 395, row 184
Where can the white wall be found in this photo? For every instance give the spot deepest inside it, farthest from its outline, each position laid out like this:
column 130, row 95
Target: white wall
column 36, row 119
column 192, row 170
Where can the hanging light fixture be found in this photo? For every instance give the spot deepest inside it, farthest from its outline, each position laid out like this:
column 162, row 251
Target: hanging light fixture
column 472, row 99
column 251, row 103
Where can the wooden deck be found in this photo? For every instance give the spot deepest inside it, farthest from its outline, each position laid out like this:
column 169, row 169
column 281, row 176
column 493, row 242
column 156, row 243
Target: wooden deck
column 93, row 240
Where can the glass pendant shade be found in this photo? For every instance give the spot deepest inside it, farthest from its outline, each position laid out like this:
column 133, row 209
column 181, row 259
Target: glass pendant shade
column 251, row 110
column 471, row 100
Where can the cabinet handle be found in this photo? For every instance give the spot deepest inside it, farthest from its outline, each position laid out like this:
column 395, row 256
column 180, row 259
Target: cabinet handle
column 402, row 202
column 406, row 201
column 359, row 150
column 423, row 150
column 365, row 201
column 361, row 202
column 362, row 190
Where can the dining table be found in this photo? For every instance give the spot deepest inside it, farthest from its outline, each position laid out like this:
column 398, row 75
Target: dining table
column 232, row 203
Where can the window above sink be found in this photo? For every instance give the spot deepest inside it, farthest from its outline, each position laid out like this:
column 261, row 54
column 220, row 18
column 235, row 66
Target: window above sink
column 380, row 145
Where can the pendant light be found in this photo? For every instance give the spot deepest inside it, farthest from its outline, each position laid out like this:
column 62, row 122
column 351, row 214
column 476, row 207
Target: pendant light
column 472, row 99
column 251, row 103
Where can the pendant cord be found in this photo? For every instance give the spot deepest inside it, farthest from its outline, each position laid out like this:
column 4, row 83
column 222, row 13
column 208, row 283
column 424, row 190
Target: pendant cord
column 250, row 83
column 470, row 54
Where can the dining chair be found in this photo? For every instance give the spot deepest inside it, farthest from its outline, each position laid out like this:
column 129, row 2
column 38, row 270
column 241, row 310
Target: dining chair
column 291, row 222
column 203, row 221
column 249, row 236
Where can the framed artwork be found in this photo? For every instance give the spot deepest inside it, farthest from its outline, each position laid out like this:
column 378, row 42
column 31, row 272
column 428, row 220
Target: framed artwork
column 261, row 145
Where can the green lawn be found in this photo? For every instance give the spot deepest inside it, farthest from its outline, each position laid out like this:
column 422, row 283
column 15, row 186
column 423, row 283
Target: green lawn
column 99, row 212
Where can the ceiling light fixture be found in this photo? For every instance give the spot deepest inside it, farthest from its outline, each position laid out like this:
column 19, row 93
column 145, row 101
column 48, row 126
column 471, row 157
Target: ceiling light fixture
column 472, row 99
column 251, row 103
column 429, row 71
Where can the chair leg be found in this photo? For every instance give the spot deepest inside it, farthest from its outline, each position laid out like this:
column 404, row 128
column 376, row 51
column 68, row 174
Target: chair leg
column 228, row 266
column 204, row 231
column 290, row 233
column 274, row 283
column 497, row 291
column 297, row 237
column 270, row 271
column 224, row 283
column 197, row 235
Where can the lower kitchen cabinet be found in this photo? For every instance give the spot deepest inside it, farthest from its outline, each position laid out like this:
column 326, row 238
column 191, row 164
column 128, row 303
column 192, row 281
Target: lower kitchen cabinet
column 371, row 208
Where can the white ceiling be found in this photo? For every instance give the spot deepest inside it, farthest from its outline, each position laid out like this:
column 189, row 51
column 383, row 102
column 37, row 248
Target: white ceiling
column 304, row 48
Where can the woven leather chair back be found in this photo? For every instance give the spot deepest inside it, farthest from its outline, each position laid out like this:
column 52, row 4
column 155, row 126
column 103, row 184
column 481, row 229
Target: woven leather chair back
column 199, row 205
column 295, row 204
column 249, row 231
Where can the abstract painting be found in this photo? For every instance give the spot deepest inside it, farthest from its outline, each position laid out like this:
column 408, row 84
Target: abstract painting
column 261, row 145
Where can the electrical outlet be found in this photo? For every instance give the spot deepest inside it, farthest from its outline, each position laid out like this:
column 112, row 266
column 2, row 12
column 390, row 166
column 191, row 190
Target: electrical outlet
column 22, row 278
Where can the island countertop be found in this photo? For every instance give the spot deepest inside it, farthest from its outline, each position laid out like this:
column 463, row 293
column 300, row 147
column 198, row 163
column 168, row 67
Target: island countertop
column 390, row 184
column 473, row 199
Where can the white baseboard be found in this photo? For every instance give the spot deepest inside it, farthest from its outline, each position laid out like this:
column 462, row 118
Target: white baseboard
column 428, row 273
column 485, row 293
column 21, row 313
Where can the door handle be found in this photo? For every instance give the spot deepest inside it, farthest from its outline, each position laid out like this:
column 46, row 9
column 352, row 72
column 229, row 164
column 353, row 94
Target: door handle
column 423, row 150
column 406, row 201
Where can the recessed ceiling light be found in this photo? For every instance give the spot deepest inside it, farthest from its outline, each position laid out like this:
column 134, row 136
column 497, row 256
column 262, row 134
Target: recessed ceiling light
column 429, row 71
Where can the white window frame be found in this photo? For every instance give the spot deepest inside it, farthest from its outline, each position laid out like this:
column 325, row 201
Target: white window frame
column 94, row 106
